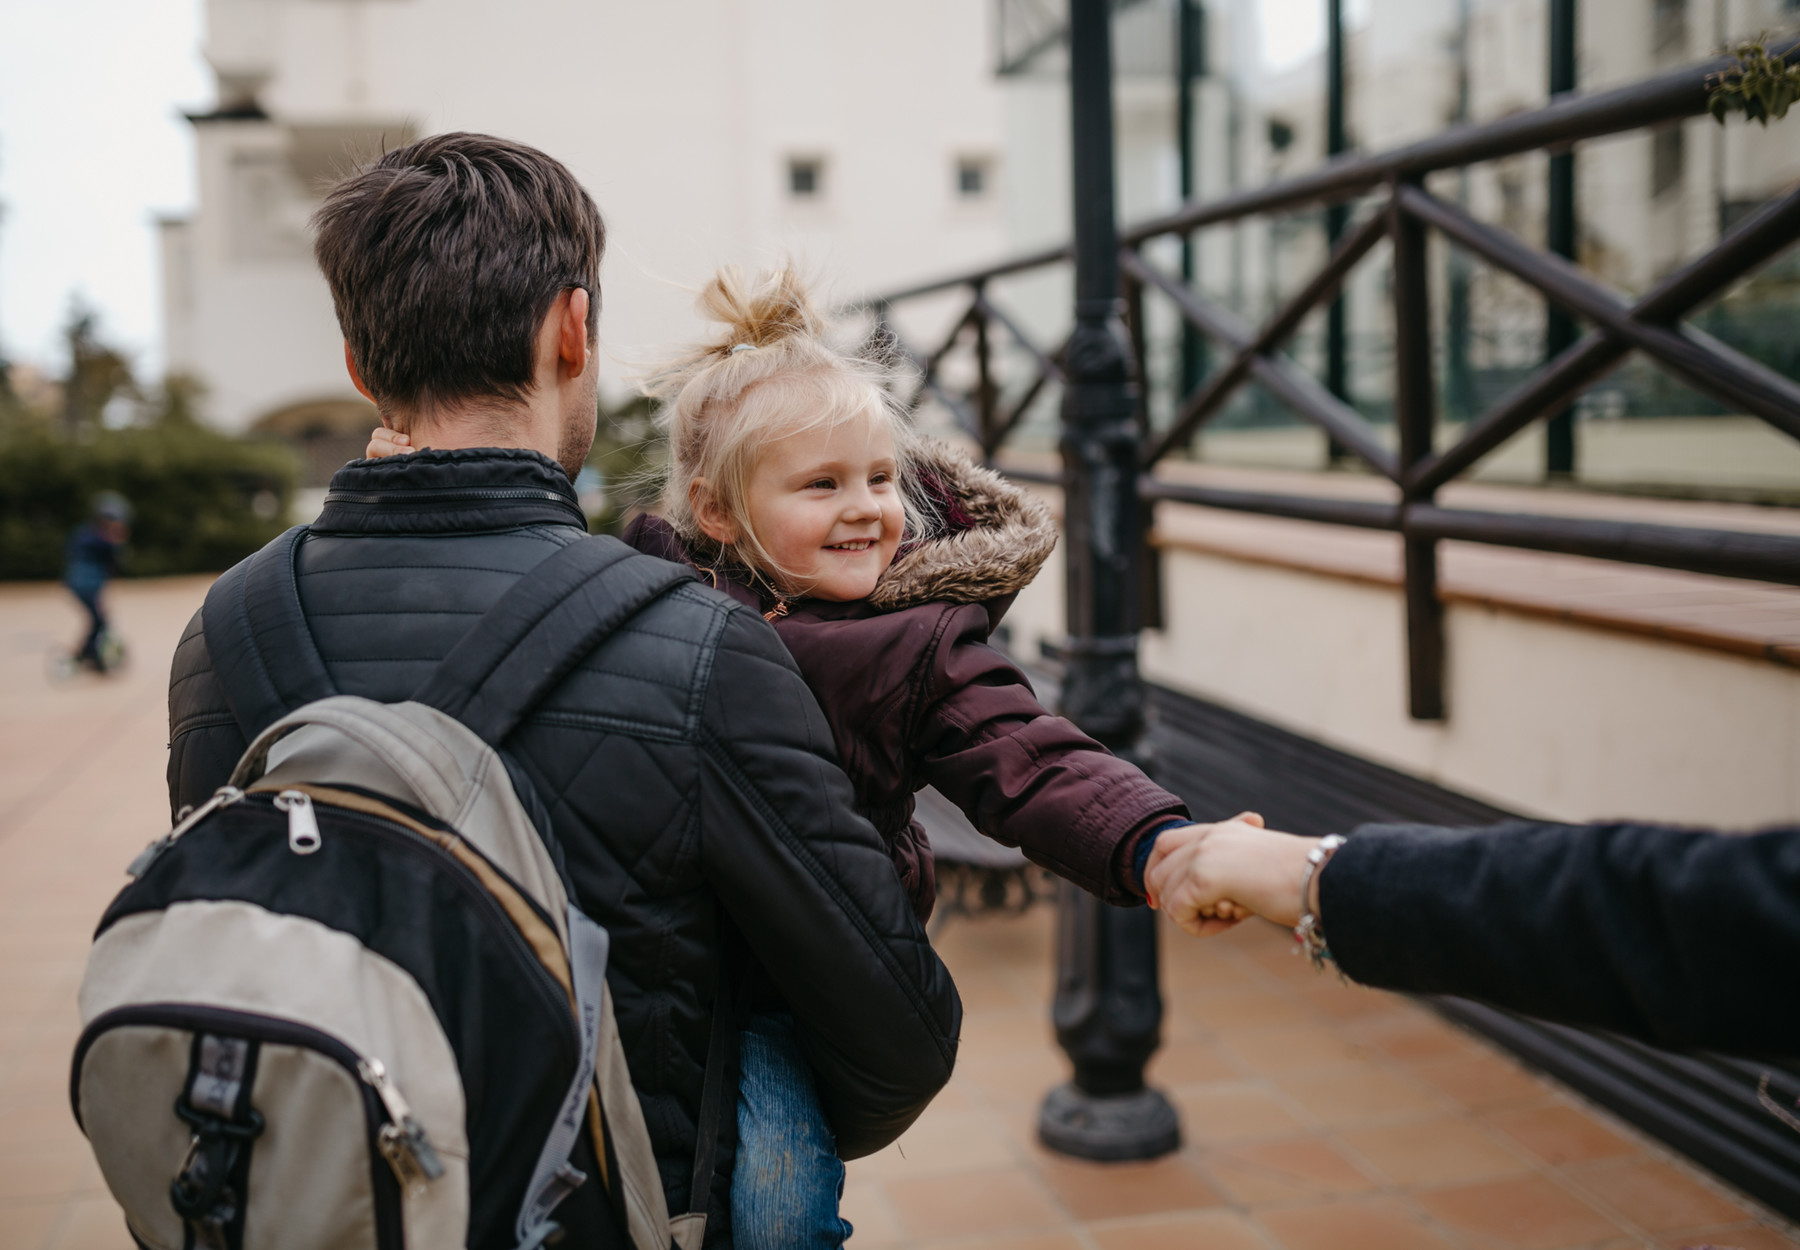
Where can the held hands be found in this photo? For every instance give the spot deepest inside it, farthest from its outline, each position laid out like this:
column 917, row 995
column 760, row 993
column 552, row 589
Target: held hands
column 386, row 442
column 1209, row 877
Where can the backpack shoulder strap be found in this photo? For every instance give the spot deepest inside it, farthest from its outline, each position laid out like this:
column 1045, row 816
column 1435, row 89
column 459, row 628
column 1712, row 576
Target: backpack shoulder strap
column 258, row 641
column 540, row 629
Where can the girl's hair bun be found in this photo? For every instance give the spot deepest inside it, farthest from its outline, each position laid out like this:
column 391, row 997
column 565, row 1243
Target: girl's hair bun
column 773, row 373
column 760, row 312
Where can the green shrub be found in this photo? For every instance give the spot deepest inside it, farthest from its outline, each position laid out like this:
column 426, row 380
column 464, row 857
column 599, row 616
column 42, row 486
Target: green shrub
column 203, row 501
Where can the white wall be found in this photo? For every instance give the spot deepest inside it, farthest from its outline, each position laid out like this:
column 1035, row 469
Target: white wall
column 678, row 116
column 1561, row 721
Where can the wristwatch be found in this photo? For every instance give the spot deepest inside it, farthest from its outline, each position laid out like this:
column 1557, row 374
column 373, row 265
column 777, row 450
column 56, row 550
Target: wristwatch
column 1310, row 933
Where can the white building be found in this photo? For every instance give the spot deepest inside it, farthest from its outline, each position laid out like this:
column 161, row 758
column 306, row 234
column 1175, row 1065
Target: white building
column 861, row 139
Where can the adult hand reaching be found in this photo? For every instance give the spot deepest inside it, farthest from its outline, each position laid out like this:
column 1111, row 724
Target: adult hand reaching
column 1209, row 877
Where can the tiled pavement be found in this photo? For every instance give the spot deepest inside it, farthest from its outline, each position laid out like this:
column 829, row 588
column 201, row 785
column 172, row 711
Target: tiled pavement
column 1318, row 1117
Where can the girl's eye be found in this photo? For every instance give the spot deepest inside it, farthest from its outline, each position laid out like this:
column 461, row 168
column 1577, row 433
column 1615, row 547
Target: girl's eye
column 823, row 483
column 880, row 479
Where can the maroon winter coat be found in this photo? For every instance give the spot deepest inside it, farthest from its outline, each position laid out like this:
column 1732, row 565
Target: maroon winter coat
column 915, row 695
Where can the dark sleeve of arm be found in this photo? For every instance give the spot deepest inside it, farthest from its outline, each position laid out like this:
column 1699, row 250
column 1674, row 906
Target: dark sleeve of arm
column 810, row 885
column 204, row 741
column 1679, row 937
column 1027, row 778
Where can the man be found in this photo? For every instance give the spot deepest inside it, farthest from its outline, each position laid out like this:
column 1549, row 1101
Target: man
column 684, row 763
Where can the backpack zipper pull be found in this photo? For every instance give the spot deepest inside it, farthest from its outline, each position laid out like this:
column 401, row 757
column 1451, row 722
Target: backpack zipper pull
column 303, row 826
column 402, row 1139
column 186, row 819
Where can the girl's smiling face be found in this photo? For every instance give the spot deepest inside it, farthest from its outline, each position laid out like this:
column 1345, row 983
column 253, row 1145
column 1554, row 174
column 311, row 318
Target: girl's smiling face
column 825, row 508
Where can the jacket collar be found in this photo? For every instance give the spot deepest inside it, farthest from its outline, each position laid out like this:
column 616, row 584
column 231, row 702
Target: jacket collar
column 441, row 492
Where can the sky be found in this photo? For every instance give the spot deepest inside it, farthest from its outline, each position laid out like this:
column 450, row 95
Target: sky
column 92, row 149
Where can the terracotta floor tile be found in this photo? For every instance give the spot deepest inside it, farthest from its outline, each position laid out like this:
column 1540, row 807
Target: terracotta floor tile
column 1284, row 1171
column 1003, row 1035
column 1362, row 1224
column 27, row 1226
column 1006, row 1200
column 943, row 1141
column 1101, row 1191
column 1358, row 1093
column 1657, row 1197
column 1338, row 1000
column 1191, row 1063
column 1412, row 1037
column 1527, row 1212
column 91, row 1224
column 1290, row 1048
column 1559, row 1133
column 43, row 1175
column 1219, row 1114
column 1443, row 1151
column 1006, row 1241
column 1211, row 1230
column 866, row 1205
column 1232, row 1013
column 1027, row 1076
column 1742, row 1237
column 1481, row 1081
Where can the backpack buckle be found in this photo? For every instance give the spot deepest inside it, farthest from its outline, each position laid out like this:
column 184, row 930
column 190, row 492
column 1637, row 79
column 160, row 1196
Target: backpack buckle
column 199, row 1192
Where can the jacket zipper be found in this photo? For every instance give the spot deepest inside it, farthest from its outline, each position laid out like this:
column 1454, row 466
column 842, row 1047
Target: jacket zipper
column 449, row 492
column 389, row 1221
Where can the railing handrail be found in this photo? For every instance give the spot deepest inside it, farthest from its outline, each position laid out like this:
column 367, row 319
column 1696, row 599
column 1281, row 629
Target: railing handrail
column 1671, row 96
column 1653, row 324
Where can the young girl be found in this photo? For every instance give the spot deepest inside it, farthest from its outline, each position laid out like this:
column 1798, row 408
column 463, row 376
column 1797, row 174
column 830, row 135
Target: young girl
column 884, row 561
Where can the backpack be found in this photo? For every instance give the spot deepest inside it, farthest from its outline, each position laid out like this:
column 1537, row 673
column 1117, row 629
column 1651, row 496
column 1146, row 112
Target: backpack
column 348, row 1002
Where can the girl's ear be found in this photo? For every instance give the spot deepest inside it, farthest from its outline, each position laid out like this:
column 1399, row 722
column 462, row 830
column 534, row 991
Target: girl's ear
column 714, row 521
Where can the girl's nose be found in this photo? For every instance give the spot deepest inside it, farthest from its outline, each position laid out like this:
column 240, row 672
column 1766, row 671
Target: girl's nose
column 861, row 505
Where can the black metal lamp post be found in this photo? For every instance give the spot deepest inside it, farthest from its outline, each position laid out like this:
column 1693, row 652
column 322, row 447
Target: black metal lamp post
column 1337, row 215
column 1108, row 1009
column 1559, row 235
column 1190, row 66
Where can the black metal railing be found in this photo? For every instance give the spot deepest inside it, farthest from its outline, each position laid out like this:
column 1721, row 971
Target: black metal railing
column 1404, row 213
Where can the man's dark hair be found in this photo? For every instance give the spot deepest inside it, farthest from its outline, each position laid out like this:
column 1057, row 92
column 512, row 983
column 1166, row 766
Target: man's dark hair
column 444, row 257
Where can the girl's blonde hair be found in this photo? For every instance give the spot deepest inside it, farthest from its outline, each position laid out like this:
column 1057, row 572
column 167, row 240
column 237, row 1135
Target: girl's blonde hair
column 772, row 374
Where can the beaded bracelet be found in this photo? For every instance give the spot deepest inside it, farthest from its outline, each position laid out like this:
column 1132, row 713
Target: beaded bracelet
column 1310, row 933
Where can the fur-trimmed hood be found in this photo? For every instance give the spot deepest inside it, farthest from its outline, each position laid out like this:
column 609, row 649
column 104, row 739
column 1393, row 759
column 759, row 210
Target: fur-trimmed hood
column 992, row 539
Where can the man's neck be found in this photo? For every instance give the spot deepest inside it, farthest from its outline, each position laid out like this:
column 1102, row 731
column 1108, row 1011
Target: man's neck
column 495, row 424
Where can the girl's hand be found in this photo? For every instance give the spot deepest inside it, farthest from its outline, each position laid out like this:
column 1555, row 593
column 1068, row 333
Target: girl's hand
column 1210, row 879
column 386, row 442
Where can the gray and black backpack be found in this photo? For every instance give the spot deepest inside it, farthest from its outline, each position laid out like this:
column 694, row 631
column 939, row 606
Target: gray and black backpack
column 348, row 1002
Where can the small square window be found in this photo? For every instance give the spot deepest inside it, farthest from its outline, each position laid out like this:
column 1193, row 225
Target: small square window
column 806, row 177
column 972, row 177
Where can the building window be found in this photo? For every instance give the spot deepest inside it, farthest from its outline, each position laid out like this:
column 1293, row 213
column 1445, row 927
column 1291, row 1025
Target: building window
column 806, row 177
column 974, row 177
column 1668, row 153
column 1669, row 19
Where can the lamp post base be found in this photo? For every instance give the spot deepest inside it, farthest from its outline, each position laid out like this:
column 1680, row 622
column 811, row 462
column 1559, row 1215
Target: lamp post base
column 1111, row 1128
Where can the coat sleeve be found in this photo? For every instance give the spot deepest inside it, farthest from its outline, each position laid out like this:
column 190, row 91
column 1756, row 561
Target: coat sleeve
column 1023, row 776
column 204, row 739
column 809, row 884
column 1679, row 937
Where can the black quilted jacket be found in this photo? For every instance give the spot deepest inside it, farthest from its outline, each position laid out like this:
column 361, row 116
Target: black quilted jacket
column 686, row 767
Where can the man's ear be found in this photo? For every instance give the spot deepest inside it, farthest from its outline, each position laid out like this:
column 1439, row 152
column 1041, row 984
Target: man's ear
column 355, row 377
column 714, row 521
column 572, row 335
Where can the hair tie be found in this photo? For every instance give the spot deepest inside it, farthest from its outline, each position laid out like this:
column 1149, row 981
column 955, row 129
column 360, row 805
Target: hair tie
column 741, row 347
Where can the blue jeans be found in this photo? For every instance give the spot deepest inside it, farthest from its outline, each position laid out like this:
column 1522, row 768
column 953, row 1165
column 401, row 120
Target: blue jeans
column 788, row 1180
